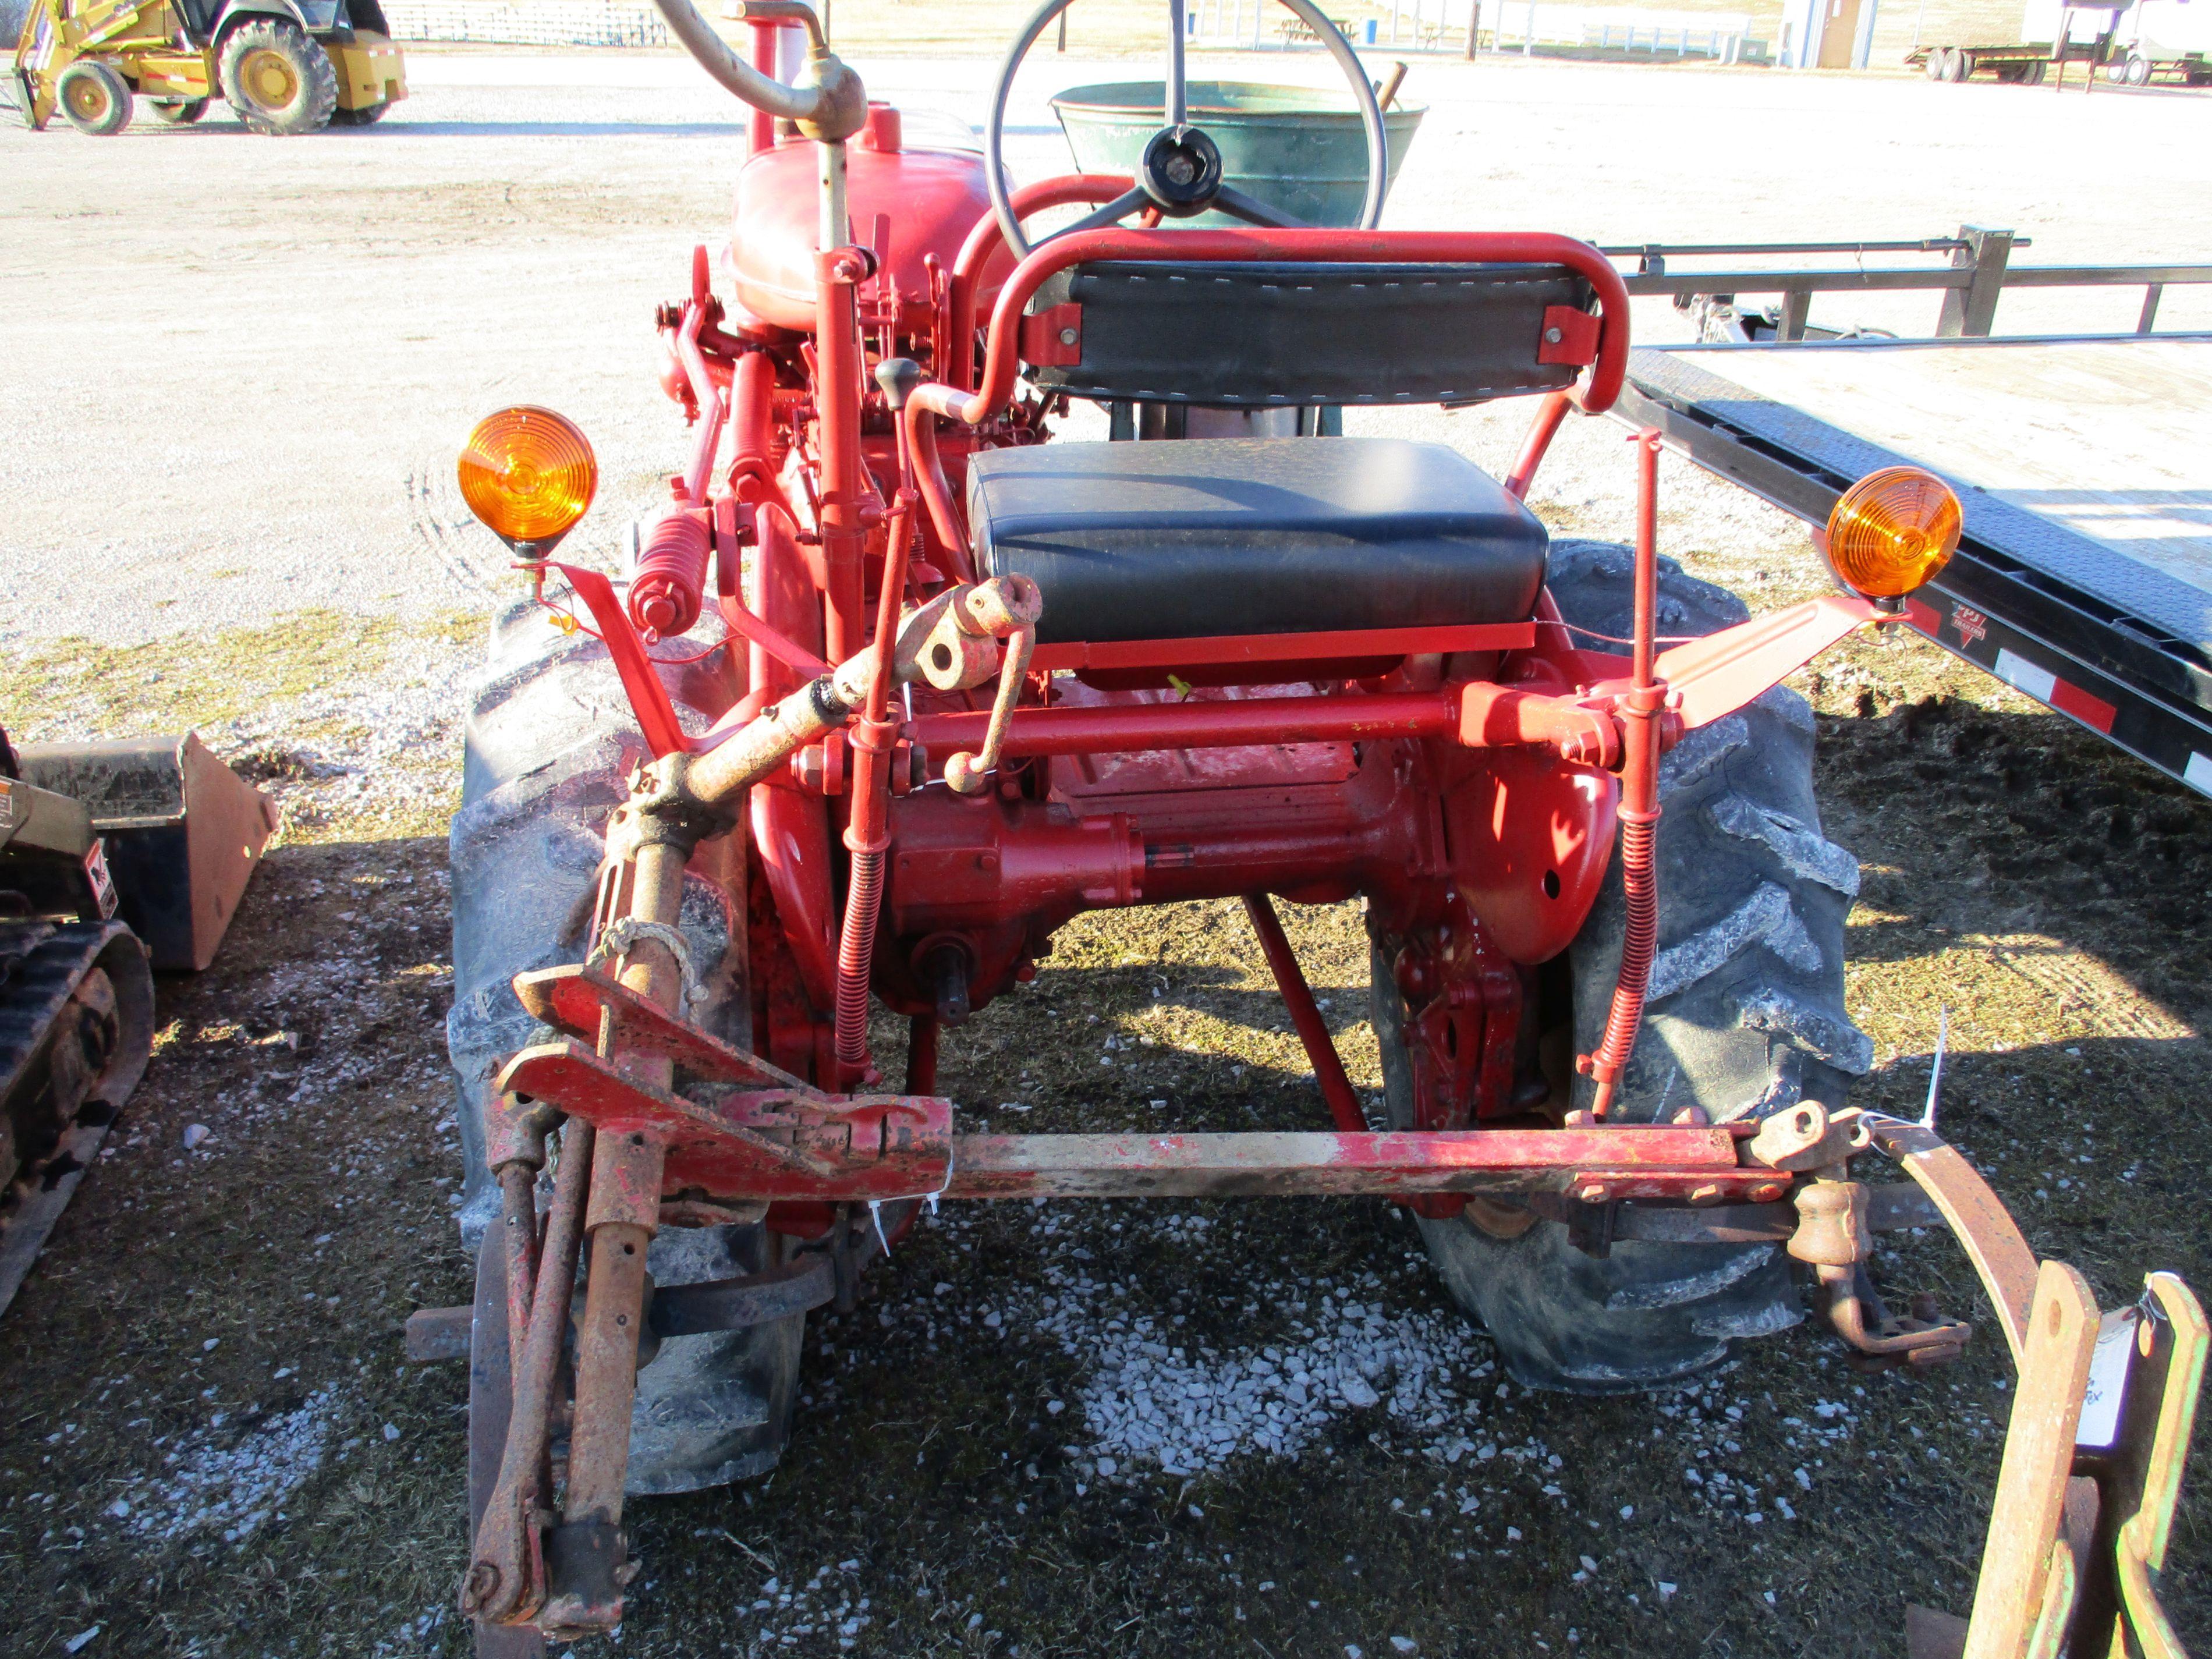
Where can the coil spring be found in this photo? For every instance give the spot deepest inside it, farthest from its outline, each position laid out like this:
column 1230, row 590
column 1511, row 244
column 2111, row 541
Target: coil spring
column 671, row 575
column 856, row 949
column 1639, row 946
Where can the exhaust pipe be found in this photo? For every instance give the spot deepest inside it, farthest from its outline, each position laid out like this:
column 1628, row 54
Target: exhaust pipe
column 828, row 102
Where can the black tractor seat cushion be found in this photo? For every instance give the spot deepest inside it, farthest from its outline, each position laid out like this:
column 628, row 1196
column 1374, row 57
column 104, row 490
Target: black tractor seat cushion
column 1195, row 539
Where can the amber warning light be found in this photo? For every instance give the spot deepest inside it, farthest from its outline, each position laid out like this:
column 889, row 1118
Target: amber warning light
column 529, row 474
column 1892, row 531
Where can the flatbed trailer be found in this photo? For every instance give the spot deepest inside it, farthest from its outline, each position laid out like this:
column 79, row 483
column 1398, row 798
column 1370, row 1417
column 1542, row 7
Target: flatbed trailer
column 2084, row 578
column 2022, row 63
column 2133, row 43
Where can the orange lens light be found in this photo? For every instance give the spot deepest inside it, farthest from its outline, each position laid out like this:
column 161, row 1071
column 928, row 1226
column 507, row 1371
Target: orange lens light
column 1892, row 531
column 528, row 474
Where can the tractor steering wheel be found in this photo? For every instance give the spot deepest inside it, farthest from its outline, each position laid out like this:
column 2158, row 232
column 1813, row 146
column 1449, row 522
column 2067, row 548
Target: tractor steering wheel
column 1180, row 174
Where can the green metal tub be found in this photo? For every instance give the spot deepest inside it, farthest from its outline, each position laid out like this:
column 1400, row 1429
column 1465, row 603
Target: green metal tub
column 1298, row 149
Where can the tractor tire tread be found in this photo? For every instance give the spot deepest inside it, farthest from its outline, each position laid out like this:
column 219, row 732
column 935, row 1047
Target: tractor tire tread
column 1744, row 1017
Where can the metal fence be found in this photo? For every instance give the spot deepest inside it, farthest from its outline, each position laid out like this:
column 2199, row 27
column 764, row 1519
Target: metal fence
column 1262, row 25
column 528, row 22
column 1524, row 25
column 1979, row 271
column 1521, row 26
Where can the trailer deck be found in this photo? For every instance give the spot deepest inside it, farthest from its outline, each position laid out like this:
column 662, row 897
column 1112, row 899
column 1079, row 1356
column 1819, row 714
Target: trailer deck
column 2084, row 578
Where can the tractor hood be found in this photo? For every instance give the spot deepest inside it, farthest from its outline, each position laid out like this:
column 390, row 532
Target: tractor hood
column 930, row 199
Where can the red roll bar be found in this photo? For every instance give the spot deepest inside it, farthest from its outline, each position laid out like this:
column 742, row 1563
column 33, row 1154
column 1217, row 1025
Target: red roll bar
column 986, row 239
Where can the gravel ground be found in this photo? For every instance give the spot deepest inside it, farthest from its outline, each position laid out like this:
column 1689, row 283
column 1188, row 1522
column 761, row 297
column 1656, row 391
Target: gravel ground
column 1088, row 1428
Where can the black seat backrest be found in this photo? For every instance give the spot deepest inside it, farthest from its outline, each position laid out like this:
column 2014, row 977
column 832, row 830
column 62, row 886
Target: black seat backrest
column 1266, row 334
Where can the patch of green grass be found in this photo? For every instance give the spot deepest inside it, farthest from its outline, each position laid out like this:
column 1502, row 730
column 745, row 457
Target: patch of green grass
column 208, row 678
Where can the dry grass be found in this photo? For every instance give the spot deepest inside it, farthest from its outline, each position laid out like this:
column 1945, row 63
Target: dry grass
column 209, row 679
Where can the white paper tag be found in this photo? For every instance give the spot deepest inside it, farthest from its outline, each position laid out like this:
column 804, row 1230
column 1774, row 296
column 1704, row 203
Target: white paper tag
column 2108, row 1379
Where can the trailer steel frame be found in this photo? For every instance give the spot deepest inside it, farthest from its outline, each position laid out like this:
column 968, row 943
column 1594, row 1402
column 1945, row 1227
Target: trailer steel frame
column 2087, row 654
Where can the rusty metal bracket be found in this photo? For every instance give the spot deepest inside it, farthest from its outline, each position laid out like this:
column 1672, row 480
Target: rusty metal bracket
column 772, row 1145
column 589, row 1004
column 1879, row 1338
column 1974, row 1213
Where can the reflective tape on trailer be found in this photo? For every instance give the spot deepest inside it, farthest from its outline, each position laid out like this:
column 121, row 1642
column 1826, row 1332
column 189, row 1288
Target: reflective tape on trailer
column 2146, row 726
column 2044, row 686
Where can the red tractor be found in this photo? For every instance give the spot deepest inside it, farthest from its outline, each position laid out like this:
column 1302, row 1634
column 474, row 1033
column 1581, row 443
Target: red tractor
column 956, row 683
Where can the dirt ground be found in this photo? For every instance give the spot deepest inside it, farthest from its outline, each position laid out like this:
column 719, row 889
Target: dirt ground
column 209, row 1444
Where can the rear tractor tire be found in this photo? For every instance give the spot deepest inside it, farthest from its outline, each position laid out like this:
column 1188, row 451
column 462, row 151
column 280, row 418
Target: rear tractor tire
column 180, row 112
column 550, row 740
column 94, row 98
column 1745, row 1018
column 277, row 79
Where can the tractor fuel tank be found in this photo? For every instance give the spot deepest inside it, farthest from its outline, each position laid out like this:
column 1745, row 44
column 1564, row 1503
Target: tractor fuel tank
column 928, row 198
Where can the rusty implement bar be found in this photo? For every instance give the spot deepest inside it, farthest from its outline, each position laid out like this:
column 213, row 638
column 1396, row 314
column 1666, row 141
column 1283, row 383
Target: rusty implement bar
column 769, row 1146
column 1597, row 1166
column 2100, row 1425
column 2142, row 1485
column 2029, row 1575
column 1976, row 1217
column 775, row 1146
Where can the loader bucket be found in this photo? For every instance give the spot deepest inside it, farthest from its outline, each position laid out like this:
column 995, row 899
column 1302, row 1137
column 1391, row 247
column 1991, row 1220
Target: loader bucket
column 183, row 832
column 1293, row 148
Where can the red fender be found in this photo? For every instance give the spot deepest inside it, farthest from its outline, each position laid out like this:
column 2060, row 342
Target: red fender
column 1531, row 837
